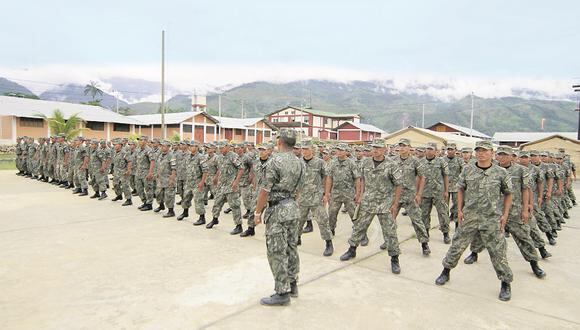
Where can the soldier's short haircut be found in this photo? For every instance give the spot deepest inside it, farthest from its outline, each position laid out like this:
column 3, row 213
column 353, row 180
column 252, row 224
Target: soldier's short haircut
column 288, row 141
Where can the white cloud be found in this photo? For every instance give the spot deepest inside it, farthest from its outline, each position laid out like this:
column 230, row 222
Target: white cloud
column 203, row 77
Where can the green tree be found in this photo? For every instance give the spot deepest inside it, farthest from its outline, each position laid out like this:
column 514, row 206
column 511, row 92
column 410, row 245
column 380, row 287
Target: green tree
column 59, row 124
column 175, row 137
column 93, row 89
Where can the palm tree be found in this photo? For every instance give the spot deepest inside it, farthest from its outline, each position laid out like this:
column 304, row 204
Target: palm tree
column 59, row 124
column 93, row 89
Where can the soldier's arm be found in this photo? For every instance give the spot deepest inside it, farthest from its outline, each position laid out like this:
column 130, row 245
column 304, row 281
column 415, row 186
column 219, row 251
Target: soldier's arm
column 129, row 167
column 151, row 166
column 238, row 178
column 460, row 205
column 560, row 186
column 327, row 187
column 550, row 187
column 85, row 162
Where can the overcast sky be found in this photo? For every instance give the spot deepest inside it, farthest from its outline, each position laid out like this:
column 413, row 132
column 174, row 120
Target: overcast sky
column 233, row 41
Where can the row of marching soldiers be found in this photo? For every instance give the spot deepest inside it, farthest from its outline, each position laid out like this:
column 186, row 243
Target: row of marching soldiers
column 367, row 181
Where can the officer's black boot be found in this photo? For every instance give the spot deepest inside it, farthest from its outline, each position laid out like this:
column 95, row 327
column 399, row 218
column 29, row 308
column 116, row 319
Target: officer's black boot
column 293, row 289
column 365, row 240
column 507, row 234
column 246, row 215
column 211, row 196
column 96, row 195
column 566, row 216
column 349, row 254
column 183, row 215
column 329, row 250
column 84, row 192
column 212, row 223
column 103, row 195
column 134, row 192
column 551, row 238
column 558, row 224
column 384, row 246
column 70, row 186
column 471, row 258
column 505, row 293
column 237, row 230
column 77, row 191
column 308, row 228
column 544, row 253
column 444, row 277
column 127, row 202
column 228, row 210
column 425, row 248
column 169, row 213
column 63, row 184
column 147, row 207
column 200, row 221
column 248, row 232
column 299, row 241
column 276, row 300
column 178, row 203
column 395, row 267
column 117, row 198
column 446, row 238
column 141, row 206
column 537, row 270
column 161, row 207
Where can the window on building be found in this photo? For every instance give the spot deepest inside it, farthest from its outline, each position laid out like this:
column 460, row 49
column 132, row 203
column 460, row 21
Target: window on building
column 121, row 127
column 325, row 121
column 275, row 120
column 306, row 119
column 31, row 122
column 173, row 126
column 238, row 131
column 187, row 128
column 96, row 125
column 267, row 133
column 210, row 129
column 251, row 132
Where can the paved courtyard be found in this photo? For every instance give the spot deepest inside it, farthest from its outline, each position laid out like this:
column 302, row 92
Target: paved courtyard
column 69, row 262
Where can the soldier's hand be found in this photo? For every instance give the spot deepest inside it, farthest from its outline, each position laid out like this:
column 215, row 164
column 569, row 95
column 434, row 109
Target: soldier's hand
column 215, row 181
column 548, row 196
column 459, row 217
column 502, row 223
column 540, row 201
column 200, row 186
column 446, row 196
column 325, row 200
column 149, row 177
column 525, row 216
column 234, row 187
column 101, row 171
column 418, row 199
column 257, row 218
column 357, row 199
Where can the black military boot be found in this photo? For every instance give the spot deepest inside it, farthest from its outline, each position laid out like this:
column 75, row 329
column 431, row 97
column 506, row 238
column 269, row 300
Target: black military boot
column 161, row 207
column 276, row 300
column 228, row 210
column 169, row 213
column 147, row 207
column 294, row 289
column 248, row 232
column 551, row 238
column 395, row 267
column 103, row 195
column 544, row 253
column 384, row 246
column 299, row 241
column 200, row 221
column 566, row 216
column 404, row 213
column 471, row 258
column 537, row 270
column 127, row 202
column 507, row 234
column 117, row 198
column 505, row 292
column 237, row 230
column 425, row 248
column 70, row 186
column 365, row 240
column 77, row 191
column 446, row 238
column 349, row 254
column 574, row 203
column 141, row 206
column 211, row 196
column 134, row 192
column 96, row 195
column 183, row 215
column 84, row 192
column 63, row 184
column 558, row 225
column 247, row 214
column 444, row 277
column 212, row 223
column 308, row 228
column 329, row 250
column 179, row 203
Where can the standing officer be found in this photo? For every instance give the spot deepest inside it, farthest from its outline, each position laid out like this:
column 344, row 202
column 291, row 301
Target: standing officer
column 166, row 177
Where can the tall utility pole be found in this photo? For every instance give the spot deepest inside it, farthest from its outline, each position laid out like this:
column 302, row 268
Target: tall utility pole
column 243, row 114
column 577, row 90
column 117, row 101
column 423, row 118
column 163, row 127
column 219, row 115
column 471, row 126
column 310, row 96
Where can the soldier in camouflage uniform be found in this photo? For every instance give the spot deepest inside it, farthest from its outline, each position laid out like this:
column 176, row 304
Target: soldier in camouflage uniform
column 284, row 174
column 455, row 166
column 562, row 198
column 81, row 163
column 311, row 193
column 181, row 155
column 166, row 176
column 517, row 223
column 18, row 153
column 52, row 159
column 122, row 163
column 59, row 162
column 412, row 183
column 481, row 188
column 551, row 210
column 99, row 159
column 195, row 172
column 145, row 162
column 227, row 180
column 382, row 190
column 342, row 187
column 436, row 191
column 68, row 163
column 572, row 167
column 31, row 157
column 24, row 155
column 541, row 183
column 467, row 155
column 550, row 186
column 247, row 162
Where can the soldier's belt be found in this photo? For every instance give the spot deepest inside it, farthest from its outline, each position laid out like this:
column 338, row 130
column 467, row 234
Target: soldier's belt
column 281, row 201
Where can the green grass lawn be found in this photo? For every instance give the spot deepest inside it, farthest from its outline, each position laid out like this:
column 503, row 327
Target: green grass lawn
column 7, row 165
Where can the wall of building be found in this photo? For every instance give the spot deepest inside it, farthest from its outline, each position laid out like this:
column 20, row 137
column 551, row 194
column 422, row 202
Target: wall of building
column 34, row 132
column 6, row 127
column 553, row 144
column 417, row 138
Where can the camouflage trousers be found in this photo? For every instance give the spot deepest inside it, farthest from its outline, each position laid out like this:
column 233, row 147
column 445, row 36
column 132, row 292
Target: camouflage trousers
column 251, row 222
column 132, row 182
column 71, row 178
column 51, row 169
column 247, row 196
column 46, row 169
column 144, row 189
column 81, row 178
column 570, row 193
column 207, row 190
column 282, row 232
column 233, row 199
column 23, row 164
column 408, row 202
column 549, row 213
column 493, row 239
column 18, row 163
column 166, row 195
column 334, row 207
column 121, row 185
column 99, row 181
column 321, row 217
column 63, row 171
column 181, row 188
column 388, row 226
column 541, row 221
column 520, row 232
column 536, row 233
column 191, row 193
column 453, row 206
column 427, row 204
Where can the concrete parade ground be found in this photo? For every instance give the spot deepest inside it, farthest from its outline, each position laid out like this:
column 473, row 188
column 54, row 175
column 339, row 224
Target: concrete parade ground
column 69, row 262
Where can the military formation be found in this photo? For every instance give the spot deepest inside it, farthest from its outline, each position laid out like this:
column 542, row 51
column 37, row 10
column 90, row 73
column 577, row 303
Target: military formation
column 482, row 195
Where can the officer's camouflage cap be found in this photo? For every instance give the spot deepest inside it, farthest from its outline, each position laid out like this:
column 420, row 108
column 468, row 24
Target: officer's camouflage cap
column 378, row 143
column 451, row 146
column 484, row 144
column 504, row 150
column 404, row 141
